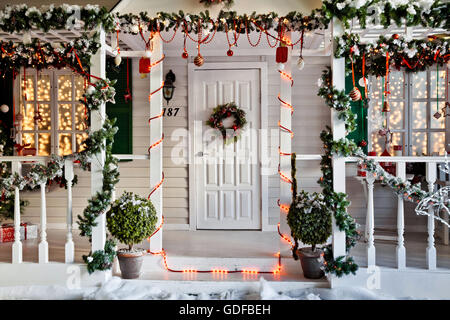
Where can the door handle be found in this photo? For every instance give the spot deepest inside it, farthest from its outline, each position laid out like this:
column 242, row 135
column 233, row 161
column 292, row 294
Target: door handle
column 202, row 154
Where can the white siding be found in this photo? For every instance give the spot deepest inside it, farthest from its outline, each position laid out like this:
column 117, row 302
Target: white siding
column 309, row 119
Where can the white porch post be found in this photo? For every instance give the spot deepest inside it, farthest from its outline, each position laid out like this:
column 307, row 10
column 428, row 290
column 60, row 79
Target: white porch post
column 338, row 127
column 156, row 130
column 285, row 147
column 17, row 245
column 98, row 69
column 431, row 248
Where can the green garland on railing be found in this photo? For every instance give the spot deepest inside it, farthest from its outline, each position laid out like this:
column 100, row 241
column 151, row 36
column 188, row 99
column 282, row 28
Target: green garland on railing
column 98, row 141
column 344, row 147
column 337, row 100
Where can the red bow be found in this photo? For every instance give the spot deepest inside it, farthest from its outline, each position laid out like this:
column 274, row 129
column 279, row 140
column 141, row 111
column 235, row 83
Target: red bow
column 20, row 147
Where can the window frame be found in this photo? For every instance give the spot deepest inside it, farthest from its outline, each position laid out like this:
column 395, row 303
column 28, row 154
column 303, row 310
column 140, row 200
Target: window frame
column 409, row 100
column 54, row 107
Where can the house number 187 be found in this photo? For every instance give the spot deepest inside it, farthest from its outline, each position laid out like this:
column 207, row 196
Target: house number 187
column 170, row 112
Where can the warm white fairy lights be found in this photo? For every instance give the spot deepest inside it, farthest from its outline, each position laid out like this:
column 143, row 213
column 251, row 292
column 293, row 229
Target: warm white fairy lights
column 423, row 104
column 37, row 123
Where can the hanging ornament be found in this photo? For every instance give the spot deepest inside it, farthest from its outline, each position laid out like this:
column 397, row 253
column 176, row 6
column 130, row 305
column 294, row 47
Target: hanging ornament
column 386, row 107
column 300, row 63
column 127, row 96
column 38, row 116
column 199, row 60
column 4, row 108
column 355, row 94
column 361, row 81
column 395, row 36
column 281, row 54
column 230, row 53
column 363, row 143
column 185, row 54
column 144, row 67
column 118, row 60
column 437, row 115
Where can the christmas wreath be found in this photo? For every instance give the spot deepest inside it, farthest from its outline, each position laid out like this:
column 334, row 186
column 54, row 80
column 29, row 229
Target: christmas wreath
column 224, row 111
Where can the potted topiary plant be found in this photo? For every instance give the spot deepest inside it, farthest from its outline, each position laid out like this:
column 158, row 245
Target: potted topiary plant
column 130, row 220
column 309, row 218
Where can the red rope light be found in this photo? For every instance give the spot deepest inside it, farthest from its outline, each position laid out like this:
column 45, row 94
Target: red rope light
column 285, row 104
column 284, row 237
column 283, row 176
column 284, row 207
column 286, row 129
column 287, row 76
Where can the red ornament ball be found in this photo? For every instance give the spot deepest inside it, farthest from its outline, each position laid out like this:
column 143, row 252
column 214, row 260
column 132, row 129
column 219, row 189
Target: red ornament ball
column 228, row 114
column 395, row 36
column 230, row 53
column 234, row 127
column 184, row 55
column 363, row 143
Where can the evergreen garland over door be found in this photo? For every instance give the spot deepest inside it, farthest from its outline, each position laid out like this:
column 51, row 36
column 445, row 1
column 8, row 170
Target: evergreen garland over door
column 121, row 110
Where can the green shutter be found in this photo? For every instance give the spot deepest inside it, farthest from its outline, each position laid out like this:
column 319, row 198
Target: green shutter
column 360, row 133
column 121, row 110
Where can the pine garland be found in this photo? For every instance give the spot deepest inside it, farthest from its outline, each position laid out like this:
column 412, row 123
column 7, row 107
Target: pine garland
column 407, row 55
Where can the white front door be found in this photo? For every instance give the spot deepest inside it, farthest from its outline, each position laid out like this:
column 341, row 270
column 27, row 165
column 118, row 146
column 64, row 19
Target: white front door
column 227, row 175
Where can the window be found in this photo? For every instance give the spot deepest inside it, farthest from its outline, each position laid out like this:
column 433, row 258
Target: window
column 414, row 99
column 54, row 118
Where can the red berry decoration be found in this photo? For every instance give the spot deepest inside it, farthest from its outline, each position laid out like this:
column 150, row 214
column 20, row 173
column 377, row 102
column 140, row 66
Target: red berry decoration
column 230, row 53
column 363, row 143
column 185, row 55
column 234, row 127
column 228, row 113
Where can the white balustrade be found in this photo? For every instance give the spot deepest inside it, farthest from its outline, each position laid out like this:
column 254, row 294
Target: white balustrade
column 401, row 251
column 431, row 249
column 17, row 245
column 69, row 247
column 43, row 244
column 370, row 221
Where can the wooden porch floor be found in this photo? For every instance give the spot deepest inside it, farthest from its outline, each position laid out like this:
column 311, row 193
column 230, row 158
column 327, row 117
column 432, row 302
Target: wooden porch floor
column 198, row 247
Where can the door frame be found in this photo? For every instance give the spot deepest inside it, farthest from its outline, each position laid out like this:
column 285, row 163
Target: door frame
column 264, row 178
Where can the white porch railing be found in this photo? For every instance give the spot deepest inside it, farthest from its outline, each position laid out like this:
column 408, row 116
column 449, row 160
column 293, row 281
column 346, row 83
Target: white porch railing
column 43, row 247
column 16, row 166
column 431, row 177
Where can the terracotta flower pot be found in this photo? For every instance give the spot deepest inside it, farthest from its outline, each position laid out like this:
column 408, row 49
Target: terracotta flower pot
column 130, row 263
column 311, row 264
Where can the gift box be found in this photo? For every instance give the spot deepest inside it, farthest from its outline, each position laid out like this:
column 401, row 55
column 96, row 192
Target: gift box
column 27, row 231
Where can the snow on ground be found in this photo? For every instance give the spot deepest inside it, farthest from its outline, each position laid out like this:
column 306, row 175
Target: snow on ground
column 117, row 289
